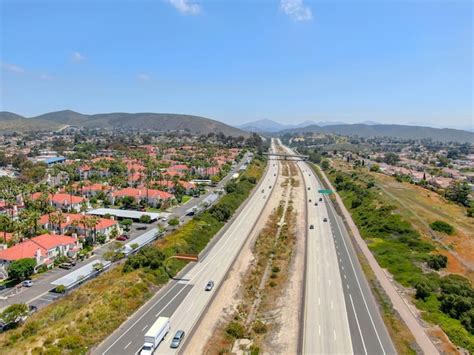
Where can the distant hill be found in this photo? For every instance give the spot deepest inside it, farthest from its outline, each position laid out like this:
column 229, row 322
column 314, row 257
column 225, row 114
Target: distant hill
column 163, row 122
column 399, row 131
column 270, row 126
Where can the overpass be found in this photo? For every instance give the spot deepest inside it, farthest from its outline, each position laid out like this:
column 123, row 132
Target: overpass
column 284, row 156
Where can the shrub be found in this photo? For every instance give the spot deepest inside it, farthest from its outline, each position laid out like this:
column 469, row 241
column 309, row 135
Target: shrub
column 423, row 290
column 259, row 327
column 13, row 312
column 173, row 222
column 442, row 227
column 144, row 218
column 60, row 289
column 437, row 262
column 21, row 269
column 235, row 330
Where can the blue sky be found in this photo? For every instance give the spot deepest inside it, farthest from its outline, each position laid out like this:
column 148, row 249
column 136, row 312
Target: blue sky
column 240, row 60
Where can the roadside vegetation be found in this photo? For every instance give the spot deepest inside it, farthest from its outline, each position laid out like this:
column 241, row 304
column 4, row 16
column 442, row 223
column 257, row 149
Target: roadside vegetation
column 263, row 283
column 412, row 260
column 88, row 314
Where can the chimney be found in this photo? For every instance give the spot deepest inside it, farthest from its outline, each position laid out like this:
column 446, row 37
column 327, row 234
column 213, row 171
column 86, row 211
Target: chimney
column 38, row 256
column 67, row 219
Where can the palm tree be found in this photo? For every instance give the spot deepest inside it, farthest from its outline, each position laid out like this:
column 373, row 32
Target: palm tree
column 5, row 225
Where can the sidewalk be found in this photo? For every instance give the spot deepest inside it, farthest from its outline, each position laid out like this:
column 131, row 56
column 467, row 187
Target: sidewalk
column 398, row 303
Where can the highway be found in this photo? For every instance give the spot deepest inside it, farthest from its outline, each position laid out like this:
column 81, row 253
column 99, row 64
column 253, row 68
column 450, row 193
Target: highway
column 185, row 300
column 340, row 312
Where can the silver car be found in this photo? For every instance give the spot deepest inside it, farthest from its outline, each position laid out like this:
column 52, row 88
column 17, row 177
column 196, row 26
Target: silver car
column 177, row 339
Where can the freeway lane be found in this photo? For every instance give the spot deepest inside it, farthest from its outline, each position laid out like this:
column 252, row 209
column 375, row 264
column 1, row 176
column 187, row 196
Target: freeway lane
column 188, row 297
column 367, row 332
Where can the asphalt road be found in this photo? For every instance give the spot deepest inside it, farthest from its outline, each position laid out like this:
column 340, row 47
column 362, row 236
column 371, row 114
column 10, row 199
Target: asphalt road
column 189, row 299
column 39, row 295
column 341, row 315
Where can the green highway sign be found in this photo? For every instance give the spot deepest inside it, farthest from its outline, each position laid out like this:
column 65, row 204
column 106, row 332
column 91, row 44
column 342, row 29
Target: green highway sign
column 327, row 192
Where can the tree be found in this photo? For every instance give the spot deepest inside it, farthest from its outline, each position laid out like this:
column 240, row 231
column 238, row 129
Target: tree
column 458, row 192
column 144, row 218
column 21, row 269
column 325, row 164
column 391, row 158
column 173, row 222
column 126, row 223
column 14, row 312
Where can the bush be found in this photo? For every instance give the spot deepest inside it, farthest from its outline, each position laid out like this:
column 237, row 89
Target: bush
column 423, row 290
column 259, row 327
column 14, row 312
column 144, row 218
column 60, row 289
column 442, row 227
column 235, row 330
column 173, row 222
column 437, row 262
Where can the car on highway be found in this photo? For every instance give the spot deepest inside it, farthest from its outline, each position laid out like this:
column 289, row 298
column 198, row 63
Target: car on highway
column 263, row 190
column 320, row 199
column 270, row 186
column 66, row 266
column 311, row 226
column 27, row 283
column 315, row 203
column 122, row 237
column 325, row 219
column 309, row 188
column 309, row 200
column 177, row 339
column 209, row 286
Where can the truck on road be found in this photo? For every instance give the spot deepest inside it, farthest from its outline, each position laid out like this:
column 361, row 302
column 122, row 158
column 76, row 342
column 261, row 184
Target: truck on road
column 155, row 335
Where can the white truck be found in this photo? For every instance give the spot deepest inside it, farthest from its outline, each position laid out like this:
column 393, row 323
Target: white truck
column 155, row 335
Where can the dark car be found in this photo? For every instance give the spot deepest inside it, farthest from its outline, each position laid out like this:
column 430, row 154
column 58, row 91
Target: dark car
column 141, row 228
column 66, row 266
column 122, row 237
column 325, row 219
column 309, row 200
column 32, row 309
column 210, row 286
column 309, row 188
column 315, row 203
column 177, row 339
column 311, row 226
column 320, row 199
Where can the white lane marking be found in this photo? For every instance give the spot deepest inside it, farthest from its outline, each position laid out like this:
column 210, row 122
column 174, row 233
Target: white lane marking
column 347, row 286
column 319, row 301
column 334, row 332
column 332, row 306
column 345, row 276
column 358, row 283
column 204, row 265
column 319, row 330
column 144, row 327
column 126, row 346
column 358, row 325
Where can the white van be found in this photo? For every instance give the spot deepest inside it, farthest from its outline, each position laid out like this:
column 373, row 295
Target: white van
column 155, row 335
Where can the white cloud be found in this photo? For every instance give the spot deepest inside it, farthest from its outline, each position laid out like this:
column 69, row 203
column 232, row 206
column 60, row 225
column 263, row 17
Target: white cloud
column 78, row 57
column 143, row 77
column 296, row 10
column 12, row 68
column 186, row 7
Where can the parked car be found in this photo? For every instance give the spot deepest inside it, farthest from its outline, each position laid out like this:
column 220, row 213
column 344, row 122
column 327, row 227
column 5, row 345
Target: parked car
column 210, row 286
column 122, row 237
column 315, row 203
column 66, row 266
column 141, row 228
column 32, row 309
column 311, row 226
column 6, row 326
column 320, row 199
column 177, row 339
column 309, row 188
column 309, row 200
column 27, row 283
column 325, row 219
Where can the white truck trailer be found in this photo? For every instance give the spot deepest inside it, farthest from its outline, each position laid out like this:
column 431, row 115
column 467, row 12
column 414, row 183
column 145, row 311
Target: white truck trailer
column 155, row 335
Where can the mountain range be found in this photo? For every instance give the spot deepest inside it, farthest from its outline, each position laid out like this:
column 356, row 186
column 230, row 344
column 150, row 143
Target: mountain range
column 269, row 126
column 390, row 130
column 163, row 122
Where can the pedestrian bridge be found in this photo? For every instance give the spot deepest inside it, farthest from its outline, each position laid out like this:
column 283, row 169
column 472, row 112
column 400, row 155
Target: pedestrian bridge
column 283, row 156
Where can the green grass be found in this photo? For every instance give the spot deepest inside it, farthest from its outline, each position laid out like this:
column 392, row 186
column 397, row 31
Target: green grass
column 185, row 199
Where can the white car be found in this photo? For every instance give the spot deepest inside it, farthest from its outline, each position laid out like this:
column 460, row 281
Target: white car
column 27, row 283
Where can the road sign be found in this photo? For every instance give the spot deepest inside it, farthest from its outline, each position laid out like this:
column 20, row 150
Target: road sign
column 327, row 192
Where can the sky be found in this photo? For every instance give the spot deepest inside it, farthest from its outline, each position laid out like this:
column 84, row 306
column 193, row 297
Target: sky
column 406, row 62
